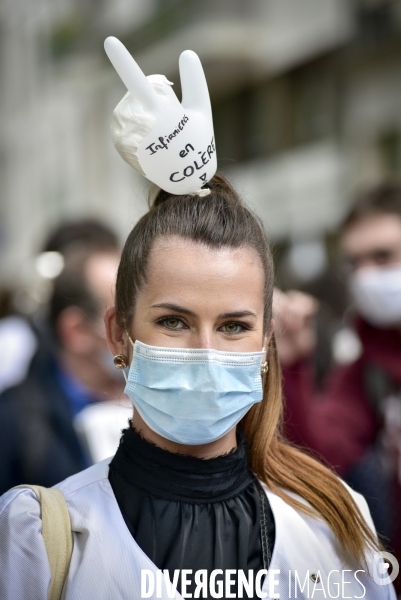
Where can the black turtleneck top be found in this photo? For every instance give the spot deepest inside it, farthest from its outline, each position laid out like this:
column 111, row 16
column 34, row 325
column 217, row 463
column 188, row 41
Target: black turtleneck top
column 187, row 512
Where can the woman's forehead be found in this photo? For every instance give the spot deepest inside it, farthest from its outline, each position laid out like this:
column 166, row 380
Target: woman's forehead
column 186, row 268
column 196, row 258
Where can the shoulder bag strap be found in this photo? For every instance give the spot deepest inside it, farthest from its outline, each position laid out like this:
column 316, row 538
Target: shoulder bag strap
column 57, row 535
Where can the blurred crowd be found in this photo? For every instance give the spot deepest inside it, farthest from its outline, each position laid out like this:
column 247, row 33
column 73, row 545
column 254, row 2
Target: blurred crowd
column 62, row 405
column 352, row 418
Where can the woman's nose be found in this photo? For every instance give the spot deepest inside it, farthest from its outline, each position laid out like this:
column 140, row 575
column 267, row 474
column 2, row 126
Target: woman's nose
column 202, row 339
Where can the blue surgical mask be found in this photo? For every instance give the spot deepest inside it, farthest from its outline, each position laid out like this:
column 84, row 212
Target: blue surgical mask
column 193, row 396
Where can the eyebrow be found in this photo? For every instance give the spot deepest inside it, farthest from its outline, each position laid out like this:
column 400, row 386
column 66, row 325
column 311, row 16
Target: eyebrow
column 175, row 308
column 185, row 311
column 237, row 314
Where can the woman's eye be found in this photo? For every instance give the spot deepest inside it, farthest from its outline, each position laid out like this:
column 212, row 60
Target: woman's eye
column 232, row 328
column 172, row 323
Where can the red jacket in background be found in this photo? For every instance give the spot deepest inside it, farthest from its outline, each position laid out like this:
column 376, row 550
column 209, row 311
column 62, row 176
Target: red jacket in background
column 340, row 423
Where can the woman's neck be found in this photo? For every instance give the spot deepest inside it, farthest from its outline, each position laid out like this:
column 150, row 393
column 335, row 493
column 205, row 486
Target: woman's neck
column 221, row 446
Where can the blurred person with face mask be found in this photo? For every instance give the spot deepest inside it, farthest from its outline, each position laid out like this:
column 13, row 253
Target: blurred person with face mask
column 70, row 371
column 355, row 422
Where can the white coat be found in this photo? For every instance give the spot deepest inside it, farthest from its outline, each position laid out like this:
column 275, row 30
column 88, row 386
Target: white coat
column 107, row 562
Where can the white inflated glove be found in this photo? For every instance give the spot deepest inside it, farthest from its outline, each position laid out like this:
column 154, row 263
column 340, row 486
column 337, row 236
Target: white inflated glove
column 169, row 142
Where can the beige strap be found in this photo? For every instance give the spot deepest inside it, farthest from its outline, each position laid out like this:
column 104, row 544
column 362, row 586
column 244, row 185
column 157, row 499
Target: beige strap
column 57, row 535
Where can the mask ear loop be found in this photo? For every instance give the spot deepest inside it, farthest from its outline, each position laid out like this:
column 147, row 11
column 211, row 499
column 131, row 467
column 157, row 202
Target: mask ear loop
column 123, row 370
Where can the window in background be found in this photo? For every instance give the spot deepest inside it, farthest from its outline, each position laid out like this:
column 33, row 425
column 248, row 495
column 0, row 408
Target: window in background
column 270, row 118
column 315, row 98
column 389, row 145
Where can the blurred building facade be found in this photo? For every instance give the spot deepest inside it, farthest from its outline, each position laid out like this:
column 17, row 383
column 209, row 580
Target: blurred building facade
column 306, row 99
column 57, row 161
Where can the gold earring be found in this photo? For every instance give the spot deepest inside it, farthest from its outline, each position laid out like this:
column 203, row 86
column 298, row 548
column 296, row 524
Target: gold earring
column 120, row 361
column 264, row 367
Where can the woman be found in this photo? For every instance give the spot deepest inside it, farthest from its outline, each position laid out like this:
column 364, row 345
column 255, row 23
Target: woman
column 203, row 483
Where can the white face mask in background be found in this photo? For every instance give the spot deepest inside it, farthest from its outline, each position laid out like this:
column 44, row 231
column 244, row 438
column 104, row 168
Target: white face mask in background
column 377, row 294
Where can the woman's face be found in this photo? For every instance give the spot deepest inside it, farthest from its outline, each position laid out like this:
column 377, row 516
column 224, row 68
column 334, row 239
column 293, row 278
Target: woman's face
column 200, row 297
column 195, row 297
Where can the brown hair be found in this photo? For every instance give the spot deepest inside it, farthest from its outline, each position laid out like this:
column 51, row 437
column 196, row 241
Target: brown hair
column 221, row 220
column 384, row 198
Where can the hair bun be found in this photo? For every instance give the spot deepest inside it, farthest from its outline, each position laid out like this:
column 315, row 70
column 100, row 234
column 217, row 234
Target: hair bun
column 218, row 186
